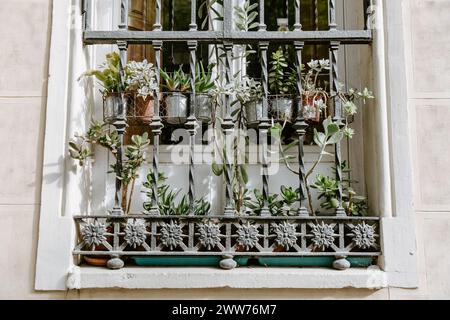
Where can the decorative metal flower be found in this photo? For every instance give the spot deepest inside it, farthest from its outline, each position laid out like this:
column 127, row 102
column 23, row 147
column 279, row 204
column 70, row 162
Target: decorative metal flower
column 209, row 235
column 94, row 233
column 135, row 233
column 323, row 235
column 286, row 234
column 247, row 235
column 171, row 234
column 363, row 235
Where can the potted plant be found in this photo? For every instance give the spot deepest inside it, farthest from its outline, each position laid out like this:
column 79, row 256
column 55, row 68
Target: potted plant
column 138, row 89
column 282, row 80
column 250, row 95
column 175, row 99
column 109, row 77
column 314, row 99
column 140, row 78
column 204, row 84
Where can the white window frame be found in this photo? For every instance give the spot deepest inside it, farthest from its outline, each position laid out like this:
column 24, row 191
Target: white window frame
column 55, row 266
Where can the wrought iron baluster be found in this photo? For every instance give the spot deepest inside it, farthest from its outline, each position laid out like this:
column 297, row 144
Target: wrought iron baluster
column 157, row 26
column 262, row 24
column 120, row 121
column 334, row 87
column 300, row 127
column 193, row 25
column 156, row 127
column 332, row 15
column 228, row 129
column 191, row 124
column 298, row 23
column 264, row 125
column 87, row 15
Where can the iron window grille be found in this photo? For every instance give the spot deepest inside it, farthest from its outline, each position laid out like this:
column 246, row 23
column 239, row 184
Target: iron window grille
column 226, row 235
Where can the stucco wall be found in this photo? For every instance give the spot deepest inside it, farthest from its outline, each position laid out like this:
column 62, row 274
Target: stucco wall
column 24, row 29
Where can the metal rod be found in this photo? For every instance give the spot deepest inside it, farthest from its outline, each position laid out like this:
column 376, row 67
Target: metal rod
column 262, row 24
column 87, row 15
column 227, row 17
column 123, row 25
column 120, row 125
column 264, row 125
column 157, row 26
column 191, row 124
column 332, row 15
column 300, row 127
column 156, row 127
column 147, row 37
column 298, row 15
column 193, row 25
column 334, row 88
column 228, row 127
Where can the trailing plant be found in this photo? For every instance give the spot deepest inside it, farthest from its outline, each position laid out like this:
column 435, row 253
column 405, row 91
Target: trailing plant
column 249, row 90
column 331, row 135
column 80, row 149
column 178, row 81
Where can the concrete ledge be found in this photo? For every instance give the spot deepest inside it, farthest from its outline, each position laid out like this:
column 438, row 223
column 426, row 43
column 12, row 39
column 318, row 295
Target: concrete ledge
column 244, row 278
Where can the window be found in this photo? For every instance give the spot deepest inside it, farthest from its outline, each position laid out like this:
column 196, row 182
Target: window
column 175, row 236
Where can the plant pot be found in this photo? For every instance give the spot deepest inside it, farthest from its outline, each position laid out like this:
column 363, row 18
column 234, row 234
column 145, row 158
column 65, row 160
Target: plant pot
column 184, row 261
column 144, row 110
column 361, row 262
column 98, row 261
column 176, row 105
column 282, row 108
column 310, row 109
column 254, row 111
column 114, row 108
column 203, row 107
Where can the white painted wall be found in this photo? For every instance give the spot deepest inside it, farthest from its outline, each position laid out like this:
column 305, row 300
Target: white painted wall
column 23, row 101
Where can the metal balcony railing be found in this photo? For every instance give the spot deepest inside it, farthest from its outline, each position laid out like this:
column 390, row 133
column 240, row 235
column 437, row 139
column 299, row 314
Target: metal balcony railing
column 227, row 235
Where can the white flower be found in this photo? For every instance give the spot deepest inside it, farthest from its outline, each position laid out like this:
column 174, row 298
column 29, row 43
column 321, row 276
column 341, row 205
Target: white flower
column 324, row 64
column 350, row 108
column 349, row 132
column 313, row 65
column 141, row 76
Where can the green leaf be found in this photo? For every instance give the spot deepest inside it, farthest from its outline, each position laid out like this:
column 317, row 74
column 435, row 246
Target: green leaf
column 217, row 169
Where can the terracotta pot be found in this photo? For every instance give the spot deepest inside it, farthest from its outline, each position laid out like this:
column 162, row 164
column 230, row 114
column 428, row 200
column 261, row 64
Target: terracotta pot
column 144, row 109
column 100, row 260
column 309, row 108
column 96, row 261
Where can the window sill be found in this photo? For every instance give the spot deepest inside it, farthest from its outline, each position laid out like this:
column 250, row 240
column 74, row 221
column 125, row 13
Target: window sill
column 240, row 278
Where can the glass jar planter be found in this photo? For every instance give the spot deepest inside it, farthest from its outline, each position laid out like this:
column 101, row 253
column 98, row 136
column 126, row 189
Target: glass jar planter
column 114, row 108
column 176, row 108
column 203, row 107
column 254, row 112
column 281, row 107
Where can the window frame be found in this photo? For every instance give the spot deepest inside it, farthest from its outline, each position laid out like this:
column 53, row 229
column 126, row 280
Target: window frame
column 56, row 230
